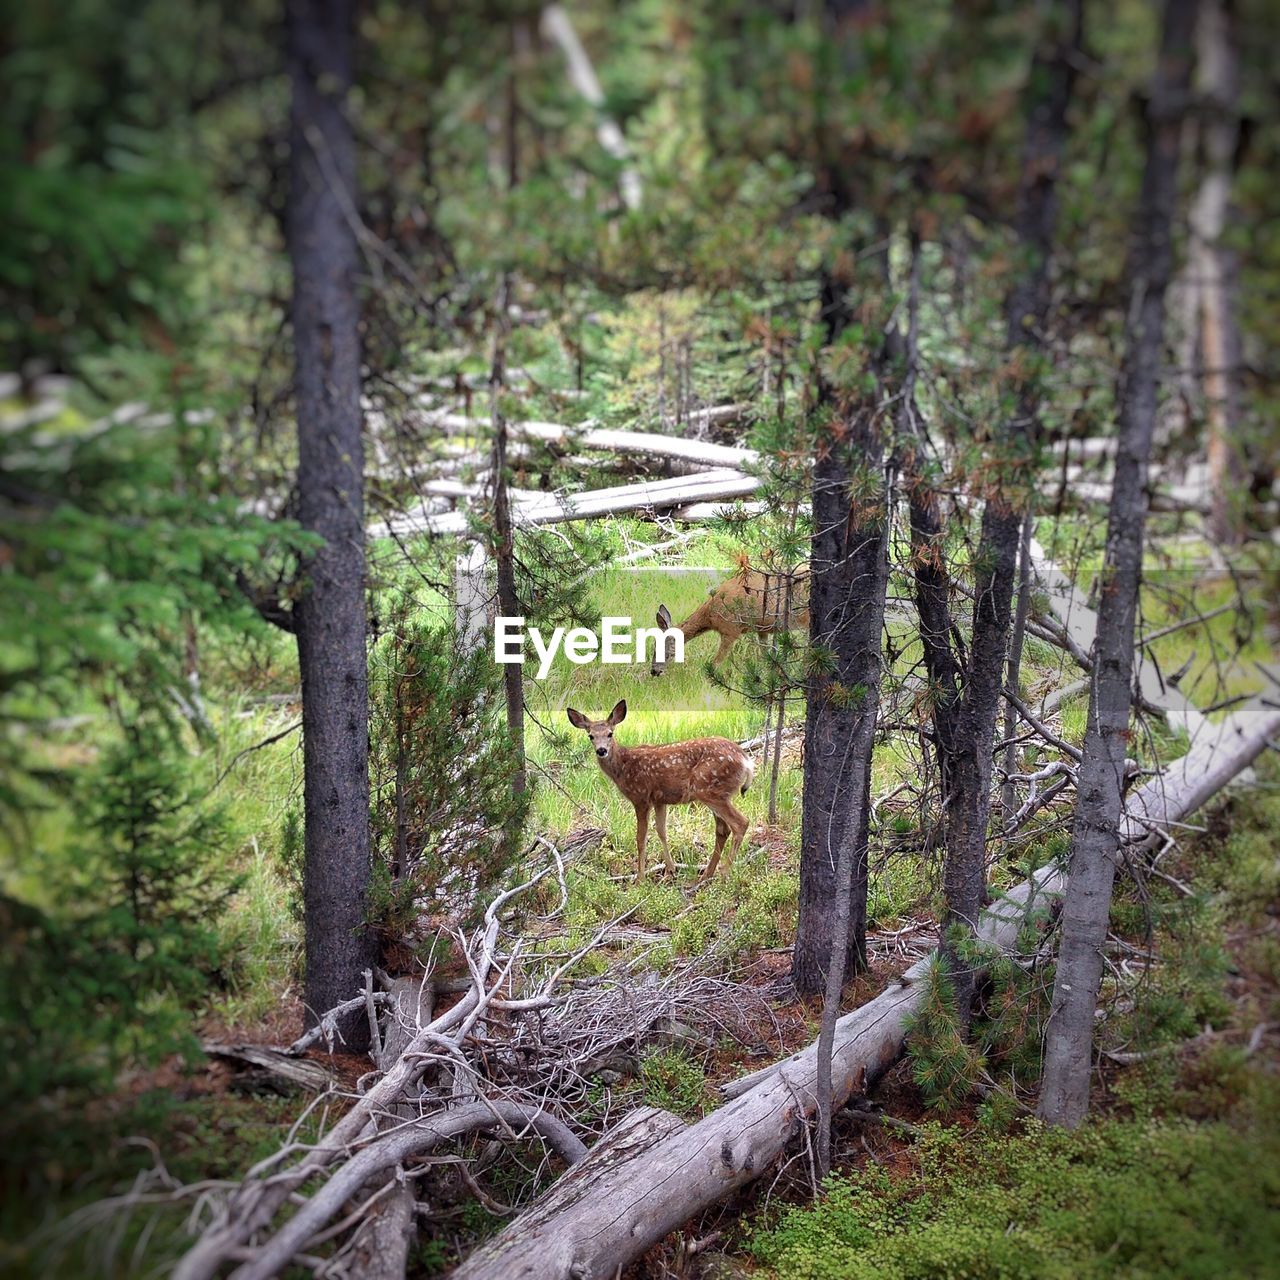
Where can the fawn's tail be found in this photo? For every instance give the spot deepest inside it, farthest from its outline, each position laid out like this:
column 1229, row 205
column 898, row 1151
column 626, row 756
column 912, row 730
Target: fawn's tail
column 751, row 773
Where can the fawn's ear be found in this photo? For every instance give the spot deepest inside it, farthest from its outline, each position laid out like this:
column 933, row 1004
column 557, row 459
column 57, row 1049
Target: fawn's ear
column 577, row 719
column 664, row 617
column 619, row 713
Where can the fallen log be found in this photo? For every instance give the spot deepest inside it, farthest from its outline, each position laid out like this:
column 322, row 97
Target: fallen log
column 1081, row 625
column 543, row 1223
column 592, row 1230
column 658, row 495
column 1220, row 754
column 262, row 1069
column 556, row 27
column 649, row 444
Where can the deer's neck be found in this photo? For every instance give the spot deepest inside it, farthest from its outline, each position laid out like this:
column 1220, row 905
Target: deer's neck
column 697, row 622
column 614, row 764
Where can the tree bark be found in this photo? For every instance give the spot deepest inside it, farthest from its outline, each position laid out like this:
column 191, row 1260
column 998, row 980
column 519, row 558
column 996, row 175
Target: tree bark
column 847, row 580
column 848, row 575
column 505, row 553
column 1216, row 270
column 1049, row 93
column 928, row 548
column 1013, row 677
column 1095, row 835
column 330, row 615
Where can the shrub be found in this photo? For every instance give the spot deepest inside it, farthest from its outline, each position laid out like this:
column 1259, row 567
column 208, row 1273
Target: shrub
column 1161, row 1201
column 445, row 821
column 673, row 1081
column 943, row 1063
column 109, row 980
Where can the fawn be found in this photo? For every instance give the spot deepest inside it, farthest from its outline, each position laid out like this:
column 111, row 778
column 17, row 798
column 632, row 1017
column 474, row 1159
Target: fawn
column 751, row 601
column 709, row 771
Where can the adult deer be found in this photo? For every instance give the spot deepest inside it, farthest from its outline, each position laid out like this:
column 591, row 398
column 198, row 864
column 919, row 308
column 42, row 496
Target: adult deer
column 752, row 601
column 708, row 771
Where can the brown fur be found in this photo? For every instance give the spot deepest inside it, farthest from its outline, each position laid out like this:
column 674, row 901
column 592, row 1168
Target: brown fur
column 751, row 602
column 699, row 771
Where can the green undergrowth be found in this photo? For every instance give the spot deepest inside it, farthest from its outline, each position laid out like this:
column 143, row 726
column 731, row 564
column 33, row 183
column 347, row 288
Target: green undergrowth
column 1164, row 1200
column 738, row 913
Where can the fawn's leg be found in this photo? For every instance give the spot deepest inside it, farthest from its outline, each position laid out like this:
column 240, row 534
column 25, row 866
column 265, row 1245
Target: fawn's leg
column 642, row 833
column 722, row 834
column 660, row 824
column 727, row 640
column 740, row 824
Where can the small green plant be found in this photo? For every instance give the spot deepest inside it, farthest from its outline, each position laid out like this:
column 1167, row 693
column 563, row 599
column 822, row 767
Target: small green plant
column 943, row 1063
column 445, row 821
column 292, row 858
column 674, row 1081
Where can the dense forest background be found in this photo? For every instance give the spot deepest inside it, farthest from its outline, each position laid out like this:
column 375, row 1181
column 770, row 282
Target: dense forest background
column 954, row 324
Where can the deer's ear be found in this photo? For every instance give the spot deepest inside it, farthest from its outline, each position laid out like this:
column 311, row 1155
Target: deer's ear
column 619, row 713
column 664, row 617
column 576, row 718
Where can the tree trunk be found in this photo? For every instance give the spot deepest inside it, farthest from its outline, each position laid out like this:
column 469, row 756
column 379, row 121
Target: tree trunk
column 1095, row 835
column 504, row 538
column 1013, row 678
column 1049, row 97
column 928, row 548
column 848, row 575
column 847, row 580
column 505, row 558
column 330, row 616
column 1217, row 273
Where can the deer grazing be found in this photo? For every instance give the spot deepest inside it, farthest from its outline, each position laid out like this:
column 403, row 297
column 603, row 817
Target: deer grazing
column 708, row 771
column 752, row 601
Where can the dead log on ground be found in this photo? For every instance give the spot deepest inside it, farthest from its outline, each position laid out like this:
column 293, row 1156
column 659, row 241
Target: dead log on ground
column 262, row 1069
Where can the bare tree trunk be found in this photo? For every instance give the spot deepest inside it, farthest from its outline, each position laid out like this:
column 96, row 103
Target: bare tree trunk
column 1216, row 269
column 848, row 576
column 928, row 546
column 503, row 527
column 330, row 616
column 1095, row 838
column 505, row 554
column 1049, row 96
column 1012, row 684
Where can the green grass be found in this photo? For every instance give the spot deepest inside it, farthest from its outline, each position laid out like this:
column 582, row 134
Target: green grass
column 682, row 703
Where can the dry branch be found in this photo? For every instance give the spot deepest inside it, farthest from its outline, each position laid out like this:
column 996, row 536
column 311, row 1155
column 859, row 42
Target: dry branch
column 385, row 1153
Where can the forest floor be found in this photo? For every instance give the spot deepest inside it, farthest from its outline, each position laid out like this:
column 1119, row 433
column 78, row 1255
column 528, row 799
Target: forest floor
column 1194, row 988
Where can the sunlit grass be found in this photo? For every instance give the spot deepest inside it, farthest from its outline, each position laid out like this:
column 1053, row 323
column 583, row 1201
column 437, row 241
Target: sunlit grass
column 682, row 703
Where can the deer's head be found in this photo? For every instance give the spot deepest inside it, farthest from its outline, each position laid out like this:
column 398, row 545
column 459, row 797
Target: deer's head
column 600, row 731
column 659, row 664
